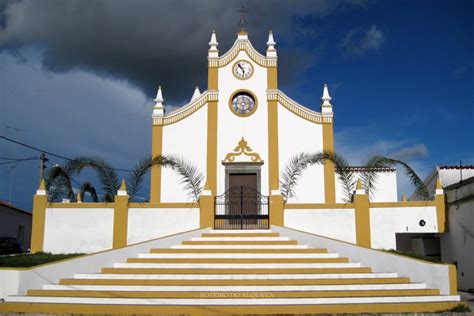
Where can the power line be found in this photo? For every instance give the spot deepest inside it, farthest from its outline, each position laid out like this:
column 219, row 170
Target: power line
column 48, row 152
column 18, row 160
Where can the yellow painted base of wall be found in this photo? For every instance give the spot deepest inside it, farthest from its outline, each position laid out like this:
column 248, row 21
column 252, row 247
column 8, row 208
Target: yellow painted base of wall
column 215, row 310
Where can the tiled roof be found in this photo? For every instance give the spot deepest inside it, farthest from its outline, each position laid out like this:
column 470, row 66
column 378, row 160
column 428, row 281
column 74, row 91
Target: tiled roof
column 363, row 168
column 6, row 204
column 457, row 167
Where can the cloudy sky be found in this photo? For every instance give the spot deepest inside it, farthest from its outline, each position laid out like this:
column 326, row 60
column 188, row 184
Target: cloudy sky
column 78, row 77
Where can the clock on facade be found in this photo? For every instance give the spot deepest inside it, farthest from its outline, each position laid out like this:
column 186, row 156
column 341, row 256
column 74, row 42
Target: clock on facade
column 243, row 69
column 243, row 103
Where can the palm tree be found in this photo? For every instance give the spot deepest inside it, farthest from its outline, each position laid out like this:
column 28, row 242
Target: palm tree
column 345, row 172
column 190, row 176
column 58, row 183
column 107, row 175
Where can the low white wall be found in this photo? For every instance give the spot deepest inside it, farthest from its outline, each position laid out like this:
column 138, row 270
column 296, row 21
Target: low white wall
column 78, row 230
column 148, row 223
column 387, row 221
column 17, row 282
column 334, row 223
column 434, row 275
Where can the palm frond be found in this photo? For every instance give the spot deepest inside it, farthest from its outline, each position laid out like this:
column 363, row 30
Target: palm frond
column 369, row 175
column 344, row 172
column 191, row 177
column 58, row 183
column 87, row 187
column 107, row 175
column 415, row 180
column 291, row 174
column 141, row 169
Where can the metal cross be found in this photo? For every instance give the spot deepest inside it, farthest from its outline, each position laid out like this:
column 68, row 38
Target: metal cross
column 243, row 21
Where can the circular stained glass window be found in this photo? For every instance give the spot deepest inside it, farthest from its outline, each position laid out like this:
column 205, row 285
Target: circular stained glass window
column 243, row 104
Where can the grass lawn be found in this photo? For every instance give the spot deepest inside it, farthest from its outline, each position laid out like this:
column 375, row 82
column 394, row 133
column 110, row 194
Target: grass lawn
column 25, row 260
column 414, row 255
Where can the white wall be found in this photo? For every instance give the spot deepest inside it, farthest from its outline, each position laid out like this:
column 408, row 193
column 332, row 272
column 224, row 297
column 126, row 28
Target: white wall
column 385, row 188
column 386, row 222
column 297, row 135
column 80, row 230
column 457, row 244
column 333, row 223
column 186, row 139
column 148, row 223
column 231, row 128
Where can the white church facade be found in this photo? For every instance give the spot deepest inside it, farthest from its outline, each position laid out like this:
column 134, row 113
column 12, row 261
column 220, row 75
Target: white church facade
column 243, row 246
column 241, row 132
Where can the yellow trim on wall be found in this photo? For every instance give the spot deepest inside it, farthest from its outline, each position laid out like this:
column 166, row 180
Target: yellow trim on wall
column 273, row 148
column 206, row 214
column 272, row 78
column 39, row 220
column 362, row 220
column 120, row 231
column 453, row 280
column 233, row 95
column 211, row 166
column 329, row 173
column 212, row 78
column 156, row 150
column 242, row 148
column 80, row 205
column 163, row 205
column 440, row 212
column 316, row 206
column 402, row 204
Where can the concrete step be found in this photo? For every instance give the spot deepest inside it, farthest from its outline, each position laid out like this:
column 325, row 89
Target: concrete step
column 237, row 255
column 232, row 249
column 239, row 246
column 228, row 295
column 237, row 260
column 235, row 270
column 237, row 241
column 218, row 266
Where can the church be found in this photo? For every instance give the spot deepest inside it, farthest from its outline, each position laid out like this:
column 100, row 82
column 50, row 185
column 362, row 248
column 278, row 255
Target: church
column 244, row 244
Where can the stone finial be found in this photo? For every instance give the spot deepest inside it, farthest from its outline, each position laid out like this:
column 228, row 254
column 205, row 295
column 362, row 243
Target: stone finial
column 196, row 94
column 159, row 109
column 326, row 106
column 123, row 188
column 271, row 51
column 359, row 187
column 42, row 188
column 404, row 197
column 213, row 51
column 78, row 197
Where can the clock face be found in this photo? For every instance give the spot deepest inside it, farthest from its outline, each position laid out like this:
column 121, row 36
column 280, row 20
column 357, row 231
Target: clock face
column 243, row 104
column 243, row 69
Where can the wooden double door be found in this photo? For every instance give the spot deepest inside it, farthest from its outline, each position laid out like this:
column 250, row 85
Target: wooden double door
column 242, row 206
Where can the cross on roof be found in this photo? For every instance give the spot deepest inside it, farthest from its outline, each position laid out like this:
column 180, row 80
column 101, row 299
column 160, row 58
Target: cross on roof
column 243, row 21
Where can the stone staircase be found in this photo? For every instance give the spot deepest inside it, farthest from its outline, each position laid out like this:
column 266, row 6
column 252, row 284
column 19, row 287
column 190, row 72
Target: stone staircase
column 239, row 272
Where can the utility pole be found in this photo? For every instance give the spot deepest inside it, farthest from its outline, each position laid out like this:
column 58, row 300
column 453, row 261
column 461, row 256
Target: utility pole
column 43, row 159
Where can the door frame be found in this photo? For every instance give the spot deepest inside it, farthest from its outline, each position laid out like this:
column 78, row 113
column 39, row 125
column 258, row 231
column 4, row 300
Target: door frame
column 243, row 168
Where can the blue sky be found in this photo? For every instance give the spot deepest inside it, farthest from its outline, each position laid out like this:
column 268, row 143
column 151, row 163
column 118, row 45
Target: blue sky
column 79, row 78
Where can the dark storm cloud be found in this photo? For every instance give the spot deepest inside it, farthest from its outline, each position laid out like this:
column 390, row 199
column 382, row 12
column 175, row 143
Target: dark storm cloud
column 148, row 42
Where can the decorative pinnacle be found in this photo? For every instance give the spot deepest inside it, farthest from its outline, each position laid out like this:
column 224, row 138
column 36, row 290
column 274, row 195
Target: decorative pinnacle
column 159, row 98
column 78, row 197
column 123, row 186
column 359, row 185
column 42, row 185
column 196, row 94
column 326, row 97
column 404, row 197
column 213, row 43
column 271, row 42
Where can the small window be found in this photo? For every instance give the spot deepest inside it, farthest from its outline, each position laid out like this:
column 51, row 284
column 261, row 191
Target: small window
column 21, row 234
